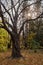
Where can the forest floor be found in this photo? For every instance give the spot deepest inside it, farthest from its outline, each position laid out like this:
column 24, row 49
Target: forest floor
column 29, row 58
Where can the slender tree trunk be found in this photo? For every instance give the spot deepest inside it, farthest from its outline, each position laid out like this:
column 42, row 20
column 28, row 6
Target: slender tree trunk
column 15, row 48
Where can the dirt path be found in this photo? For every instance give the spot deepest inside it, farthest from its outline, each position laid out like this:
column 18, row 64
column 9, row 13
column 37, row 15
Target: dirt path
column 27, row 59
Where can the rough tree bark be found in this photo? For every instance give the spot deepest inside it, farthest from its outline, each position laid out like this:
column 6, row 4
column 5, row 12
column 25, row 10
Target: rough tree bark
column 15, row 47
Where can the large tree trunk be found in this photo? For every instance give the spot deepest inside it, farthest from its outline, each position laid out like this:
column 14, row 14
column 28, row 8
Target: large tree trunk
column 15, row 48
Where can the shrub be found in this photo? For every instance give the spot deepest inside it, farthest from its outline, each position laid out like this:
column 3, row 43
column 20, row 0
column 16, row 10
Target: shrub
column 3, row 48
column 4, row 40
column 35, row 44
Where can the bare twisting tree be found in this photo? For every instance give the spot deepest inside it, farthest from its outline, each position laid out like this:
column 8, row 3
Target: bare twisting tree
column 14, row 10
